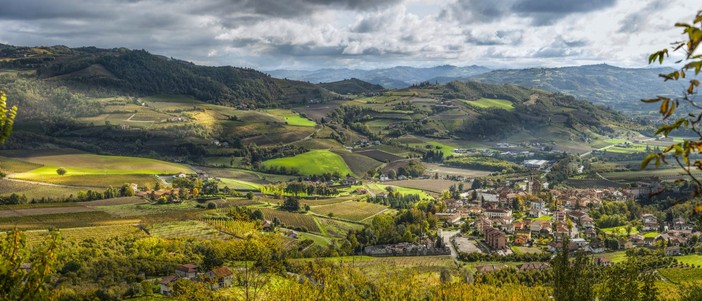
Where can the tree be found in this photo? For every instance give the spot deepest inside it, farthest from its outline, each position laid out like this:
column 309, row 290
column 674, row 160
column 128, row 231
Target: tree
column 61, row 171
column 291, row 204
column 692, row 61
column 7, row 118
column 24, row 272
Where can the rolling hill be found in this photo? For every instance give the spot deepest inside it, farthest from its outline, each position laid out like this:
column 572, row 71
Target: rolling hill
column 602, row 83
column 352, row 86
column 391, row 78
column 138, row 72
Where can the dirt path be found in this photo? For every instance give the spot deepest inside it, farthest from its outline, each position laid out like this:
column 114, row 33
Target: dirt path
column 370, row 217
column 130, row 119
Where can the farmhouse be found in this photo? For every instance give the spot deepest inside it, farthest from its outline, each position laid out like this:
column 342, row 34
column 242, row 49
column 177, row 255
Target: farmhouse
column 166, row 284
column 219, row 278
column 187, row 270
column 535, row 164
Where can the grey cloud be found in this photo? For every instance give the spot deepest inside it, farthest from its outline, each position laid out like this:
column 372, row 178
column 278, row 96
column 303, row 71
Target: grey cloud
column 500, row 37
column 288, row 8
column 541, row 12
column 561, row 47
column 636, row 20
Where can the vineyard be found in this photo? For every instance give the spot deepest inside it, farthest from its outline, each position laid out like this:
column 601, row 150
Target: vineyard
column 236, row 228
column 186, row 229
column 290, row 219
column 353, row 211
column 83, row 233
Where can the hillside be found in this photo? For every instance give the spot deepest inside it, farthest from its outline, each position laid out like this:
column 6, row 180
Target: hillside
column 597, row 83
column 391, row 78
column 351, row 86
column 141, row 73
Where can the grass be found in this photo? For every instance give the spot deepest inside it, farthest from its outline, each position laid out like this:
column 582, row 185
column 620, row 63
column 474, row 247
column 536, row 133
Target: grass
column 94, row 181
column 335, row 228
column 353, row 211
column 621, row 230
column 359, row 164
column 679, row 276
column 239, row 184
column 693, row 259
column 650, row 234
column 98, row 164
column 543, row 218
column 315, row 162
column 9, row 165
column 485, row 103
column 378, row 188
column 615, row 257
column 292, row 118
column 446, row 149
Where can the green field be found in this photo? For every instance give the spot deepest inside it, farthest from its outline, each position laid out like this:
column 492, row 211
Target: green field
column 621, row 230
column 315, row 162
column 80, row 164
column 693, row 259
column 239, row 184
column 292, row 118
column 378, row 188
column 485, row 103
column 679, row 276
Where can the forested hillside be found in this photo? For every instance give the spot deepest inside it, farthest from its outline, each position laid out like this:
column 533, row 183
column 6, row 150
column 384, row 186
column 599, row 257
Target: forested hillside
column 141, row 73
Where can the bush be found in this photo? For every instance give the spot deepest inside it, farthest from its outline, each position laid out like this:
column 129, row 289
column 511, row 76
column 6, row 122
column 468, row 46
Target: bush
column 211, row 205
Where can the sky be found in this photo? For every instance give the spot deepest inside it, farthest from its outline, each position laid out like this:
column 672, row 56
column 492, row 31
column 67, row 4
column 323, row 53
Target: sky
column 360, row 34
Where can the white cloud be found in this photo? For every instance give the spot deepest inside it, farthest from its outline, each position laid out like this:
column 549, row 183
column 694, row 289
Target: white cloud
column 344, row 33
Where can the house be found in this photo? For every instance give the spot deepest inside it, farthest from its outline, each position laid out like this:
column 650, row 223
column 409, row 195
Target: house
column 452, row 218
column 531, row 266
column 680, row 224
column 580, row 242
column 521, row 239
column 650, row 222
column 219, row 278
column 166, row 285
column 351, row 180
column 498, row 213
column 187, row 270
column 601, row 261
column 490, row 268
column 384, row 178
column 267, row 225
column 495, row 238
column 672, row 251
column 595, row 247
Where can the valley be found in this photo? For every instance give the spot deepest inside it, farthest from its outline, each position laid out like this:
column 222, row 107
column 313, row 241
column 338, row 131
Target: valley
column 460, row 183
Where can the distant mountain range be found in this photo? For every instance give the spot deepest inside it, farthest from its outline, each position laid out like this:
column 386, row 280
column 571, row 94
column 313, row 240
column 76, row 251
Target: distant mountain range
column 391, row 78
column 602, row 83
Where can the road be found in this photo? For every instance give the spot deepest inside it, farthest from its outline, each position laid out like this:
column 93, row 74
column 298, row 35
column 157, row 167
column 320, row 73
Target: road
column 446, row 236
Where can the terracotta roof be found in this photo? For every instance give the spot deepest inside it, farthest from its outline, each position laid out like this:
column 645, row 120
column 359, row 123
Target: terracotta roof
column 188, row 268
column 221, row 272
column 169, row 279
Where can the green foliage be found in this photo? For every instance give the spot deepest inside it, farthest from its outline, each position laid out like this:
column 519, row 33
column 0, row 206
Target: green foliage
column 61, row 171
column 483, row 163
column 24, row 273
column 692, row 61
column 7, row 118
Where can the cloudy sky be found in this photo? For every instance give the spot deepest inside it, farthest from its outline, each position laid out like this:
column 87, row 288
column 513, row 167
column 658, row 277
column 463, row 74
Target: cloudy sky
column 310, row 34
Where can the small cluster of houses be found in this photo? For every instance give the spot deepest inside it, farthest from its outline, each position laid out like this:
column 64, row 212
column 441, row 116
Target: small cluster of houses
column 215, row 279
column 425, row 248
column 493, row 219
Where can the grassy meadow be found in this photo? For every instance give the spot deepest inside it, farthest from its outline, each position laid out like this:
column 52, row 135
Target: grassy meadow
column 313, row 162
